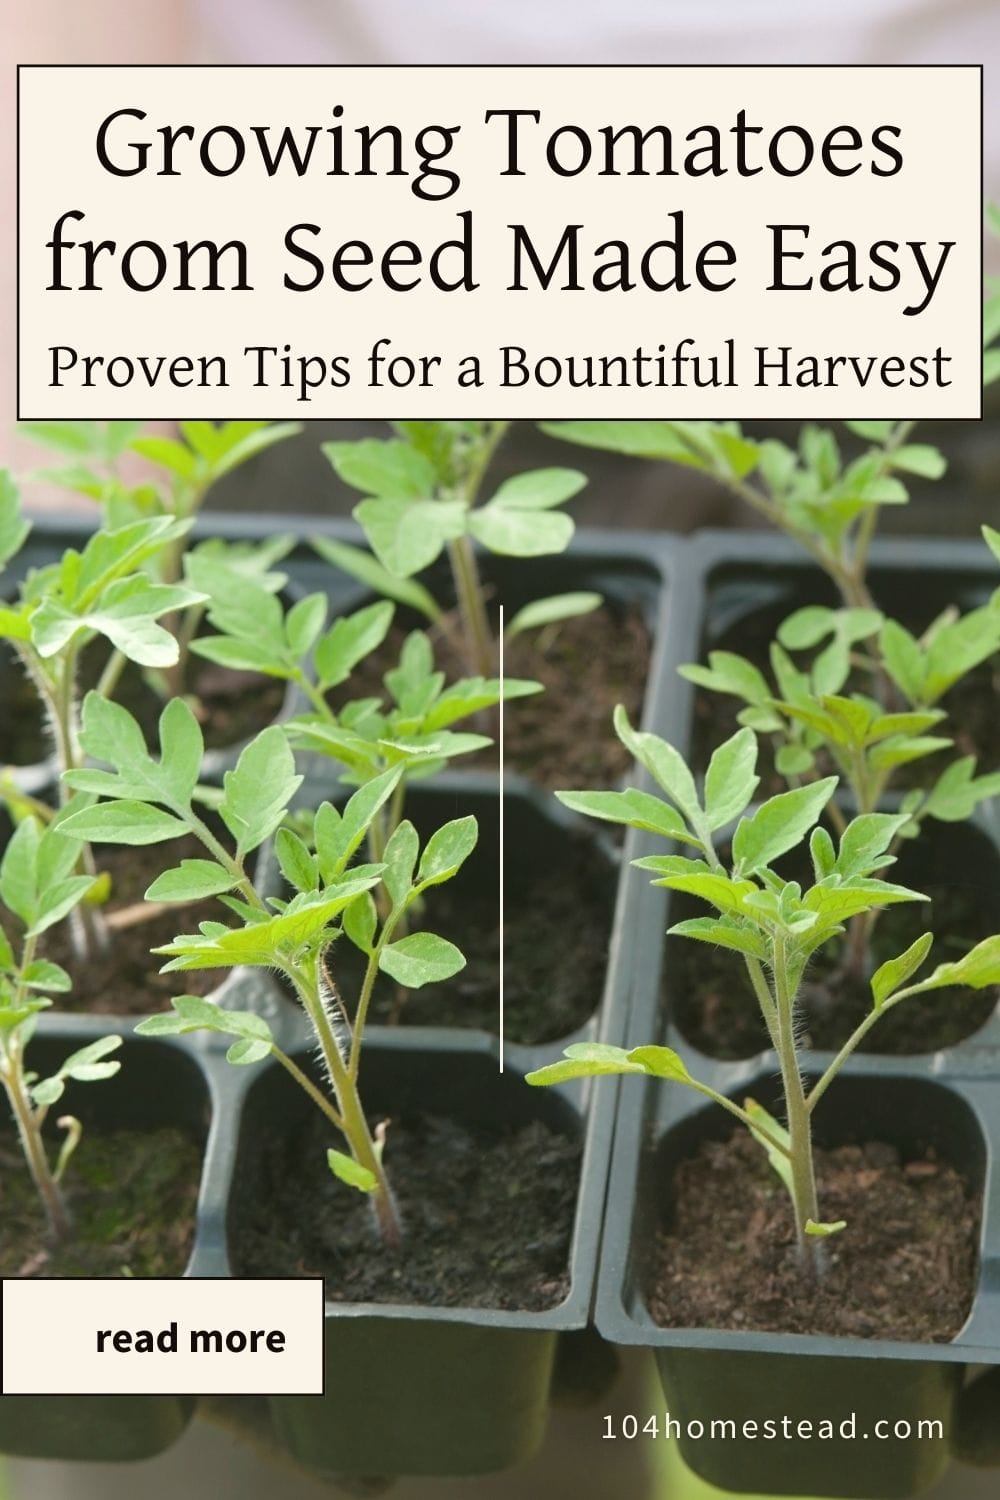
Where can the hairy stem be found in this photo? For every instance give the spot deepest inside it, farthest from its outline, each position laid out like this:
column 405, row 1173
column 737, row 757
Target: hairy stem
column 58, row 692
column 479, row 642
column 480, row 645
column 29, row 1131
column 354, row 1125
column 800, row 1136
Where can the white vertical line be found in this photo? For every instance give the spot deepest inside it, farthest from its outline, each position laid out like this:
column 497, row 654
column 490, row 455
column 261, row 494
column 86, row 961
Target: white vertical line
column 501, row 744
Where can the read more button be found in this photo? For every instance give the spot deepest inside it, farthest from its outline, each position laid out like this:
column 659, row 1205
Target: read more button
column 163, row 1337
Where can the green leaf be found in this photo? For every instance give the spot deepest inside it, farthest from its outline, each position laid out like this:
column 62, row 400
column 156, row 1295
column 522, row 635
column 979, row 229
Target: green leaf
column 864, row 840
column 48, row 1092
column 779, row 825
column 126, row 614
column 958, row 646
column 422, row 958
column 400, row 858
column 779, row 1161
column 824, row 856
column 720, row 891
column 42, row 975
column 123, row 822
column 303, row 624
column 257, row 793
column 408, row 535
column 182, row 750
column 193, row 1013
column 353, row 1173
column 979, row 969
column 638, row 439
column 169, row 454
column 87, row 1065
column 337, row 837
column 725, row 933
column 360, row 922
column 992, row 540
column 728, row 673
column 901, row 749
column 110, row 733
column 77, row 438
column 248, row 1050
column 634, row 808
column 542, row 612
column 872, row 431
column 299, row 867
column 241, row 656
column 192, row 880
column 834, row 904
column 390, row 469
column 665, row 764
column 19, row 871
column 823, row 1231
column 794, row 760
column 447, row 850
column 515, row 532
column 13, row 528
column 59, row 900
column 806, row 627
column 369, row 571
column 894, row 973
column 904, row 660
column 585, row 1060
column 472, row 694
column 350, row 640
column 701, row 445
column 958, row 791
column 539, row 489
column 236, row 442
column 730, row 782
column 921, row 459
column 660, row 1062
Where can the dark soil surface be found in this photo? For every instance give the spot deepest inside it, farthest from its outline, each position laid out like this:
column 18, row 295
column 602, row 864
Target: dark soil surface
column 973, row 722
column 714, row 1005
column 132, row 1195
column 562, row 738
column 904, row 1268
column 487, row 1216
column 231, row 706
column 555, row 955
column 125, row 980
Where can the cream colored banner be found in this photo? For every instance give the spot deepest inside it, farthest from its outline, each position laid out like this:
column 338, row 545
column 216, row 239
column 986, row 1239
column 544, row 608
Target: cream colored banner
column 505, row 242
column 162, row 1337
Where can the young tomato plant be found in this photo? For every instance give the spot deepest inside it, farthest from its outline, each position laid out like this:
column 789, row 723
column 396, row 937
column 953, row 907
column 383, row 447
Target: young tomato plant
column 183, row 468
column 103, row 590
column 774, row 924
column 149, row 801
column 38, row 888
column 811, row 718
column 182, row 471
column 830, row 507
column 422, row 498
column 414, row 732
